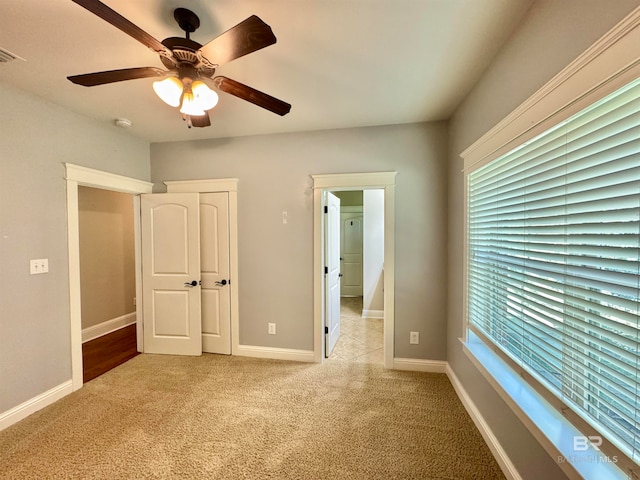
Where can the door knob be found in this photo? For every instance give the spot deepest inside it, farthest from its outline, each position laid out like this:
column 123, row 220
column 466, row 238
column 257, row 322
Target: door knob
column 221, row 283
column 193, row 283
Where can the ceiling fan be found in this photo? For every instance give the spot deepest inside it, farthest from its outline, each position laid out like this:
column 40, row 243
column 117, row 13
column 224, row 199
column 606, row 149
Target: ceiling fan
column 190, row 65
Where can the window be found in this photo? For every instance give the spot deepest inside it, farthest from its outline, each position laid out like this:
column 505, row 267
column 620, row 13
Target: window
column 553, row 274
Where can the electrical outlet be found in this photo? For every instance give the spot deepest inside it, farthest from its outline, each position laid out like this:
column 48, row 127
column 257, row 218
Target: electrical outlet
column 414, row 338
column 272, row 328
column 40, row 265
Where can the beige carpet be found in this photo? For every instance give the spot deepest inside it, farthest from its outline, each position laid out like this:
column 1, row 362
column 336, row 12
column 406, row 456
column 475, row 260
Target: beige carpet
column 224, row 417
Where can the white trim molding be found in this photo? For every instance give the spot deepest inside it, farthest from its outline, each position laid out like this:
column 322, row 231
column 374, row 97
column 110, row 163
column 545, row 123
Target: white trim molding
column 107, row 327
column 345, row 181
column 372, row 313
column 420, row 365
column 203, row 186
column 89, row 177
column 275, row 353
column 34, row 404
column 610, row 63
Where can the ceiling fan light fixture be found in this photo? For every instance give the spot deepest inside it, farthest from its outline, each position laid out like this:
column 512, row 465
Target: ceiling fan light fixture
column 169, row 90
column 203, row 95
column 189, row 105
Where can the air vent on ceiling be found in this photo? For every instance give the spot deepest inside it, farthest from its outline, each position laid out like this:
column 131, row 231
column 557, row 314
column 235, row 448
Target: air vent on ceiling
column 6, row 56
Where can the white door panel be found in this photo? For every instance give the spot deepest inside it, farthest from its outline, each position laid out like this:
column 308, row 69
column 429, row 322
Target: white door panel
column 170, row 310
column 216, row 293
column 351, row 251
column 332, row 273
column 352, row 277
column 170, row 264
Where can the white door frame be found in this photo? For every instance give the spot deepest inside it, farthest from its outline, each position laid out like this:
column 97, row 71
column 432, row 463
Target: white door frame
column 229, row 185
column 87, row 177
column 354, row 181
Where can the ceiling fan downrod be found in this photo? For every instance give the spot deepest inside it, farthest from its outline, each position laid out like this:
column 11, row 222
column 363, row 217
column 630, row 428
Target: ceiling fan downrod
column 187, row 20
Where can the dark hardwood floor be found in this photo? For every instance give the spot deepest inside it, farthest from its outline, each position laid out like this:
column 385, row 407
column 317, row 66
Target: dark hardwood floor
column 104, row 353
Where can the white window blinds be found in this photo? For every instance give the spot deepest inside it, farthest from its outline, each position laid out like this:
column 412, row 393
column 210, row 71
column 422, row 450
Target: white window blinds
column 553, row 262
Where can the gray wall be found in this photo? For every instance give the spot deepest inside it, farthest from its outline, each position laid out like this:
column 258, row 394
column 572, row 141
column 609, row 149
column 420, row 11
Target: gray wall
column 350, row 199
column 107, row 255
column 373, row 250
column 553, row 33
column 35, row 139
column 276, row 260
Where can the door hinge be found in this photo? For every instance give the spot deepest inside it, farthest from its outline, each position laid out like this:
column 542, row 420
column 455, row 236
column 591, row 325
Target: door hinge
column 326, row 209
column 326, row 270
column 326, row 330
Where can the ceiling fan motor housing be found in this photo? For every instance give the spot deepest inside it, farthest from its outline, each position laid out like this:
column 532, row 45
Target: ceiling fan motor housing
column 186, row 53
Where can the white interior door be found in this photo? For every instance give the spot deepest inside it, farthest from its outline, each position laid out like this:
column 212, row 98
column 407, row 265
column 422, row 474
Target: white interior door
column 332, row 271
column 171, row 273
column 351, row 253
column 214, row 262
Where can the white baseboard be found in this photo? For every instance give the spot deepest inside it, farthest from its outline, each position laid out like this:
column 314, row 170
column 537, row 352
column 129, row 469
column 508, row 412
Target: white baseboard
column 420, row 365
column 109, row 326
column 25, row 409
column 372, row 313
column 500, row 455
column 275, row 353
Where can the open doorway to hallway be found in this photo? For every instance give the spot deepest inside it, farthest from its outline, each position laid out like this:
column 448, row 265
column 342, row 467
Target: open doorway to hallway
column 323, row 185
column 361, row 253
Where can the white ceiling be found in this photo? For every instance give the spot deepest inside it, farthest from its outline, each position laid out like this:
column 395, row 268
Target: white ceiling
column 340, row 63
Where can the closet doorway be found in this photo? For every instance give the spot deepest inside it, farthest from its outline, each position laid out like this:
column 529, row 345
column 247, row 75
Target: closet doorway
column 107, row 279
column 77, row 176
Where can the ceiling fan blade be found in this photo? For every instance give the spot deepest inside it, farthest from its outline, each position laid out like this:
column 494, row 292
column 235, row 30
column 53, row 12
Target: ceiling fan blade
column 111, row 76
column 114, row 18
column 248, row 36
column 252, row 95
column 201, row 120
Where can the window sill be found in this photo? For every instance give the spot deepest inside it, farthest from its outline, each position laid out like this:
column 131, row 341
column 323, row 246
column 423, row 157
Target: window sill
column 555, row 433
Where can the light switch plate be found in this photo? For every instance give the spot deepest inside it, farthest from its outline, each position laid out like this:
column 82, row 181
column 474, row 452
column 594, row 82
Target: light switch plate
column 40, row 265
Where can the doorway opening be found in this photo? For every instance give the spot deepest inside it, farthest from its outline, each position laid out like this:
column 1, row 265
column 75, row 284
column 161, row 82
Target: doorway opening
column 107, row 276
column 77, row 176
column 361, row 277
column 384, row 182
